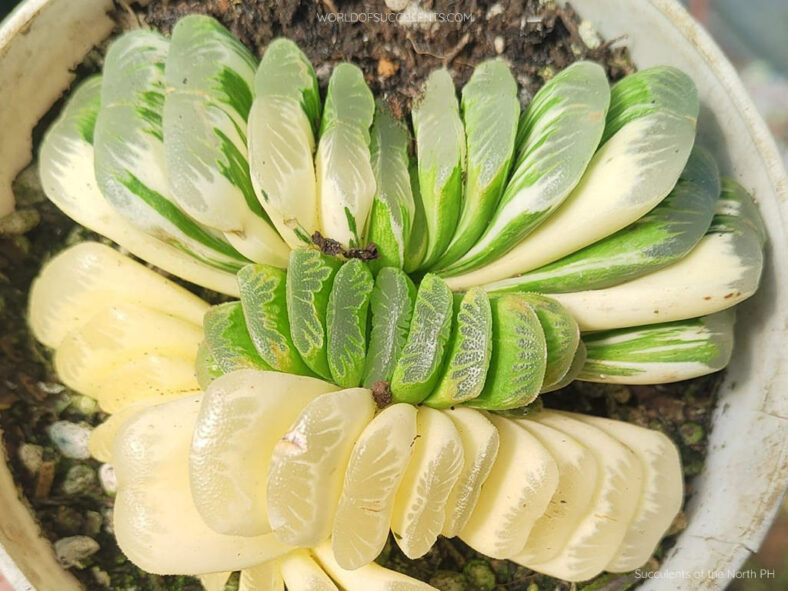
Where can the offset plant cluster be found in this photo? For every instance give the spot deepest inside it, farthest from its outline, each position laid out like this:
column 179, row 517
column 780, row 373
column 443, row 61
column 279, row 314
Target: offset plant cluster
column 488, row 256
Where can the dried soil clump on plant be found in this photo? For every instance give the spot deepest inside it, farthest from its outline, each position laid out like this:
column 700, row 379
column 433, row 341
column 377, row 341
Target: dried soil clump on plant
column 538, row 39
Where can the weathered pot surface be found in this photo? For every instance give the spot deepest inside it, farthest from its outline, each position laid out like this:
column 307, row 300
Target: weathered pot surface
column 746, row 471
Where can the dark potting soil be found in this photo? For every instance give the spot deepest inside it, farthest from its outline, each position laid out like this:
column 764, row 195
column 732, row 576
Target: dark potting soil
column 65, row 494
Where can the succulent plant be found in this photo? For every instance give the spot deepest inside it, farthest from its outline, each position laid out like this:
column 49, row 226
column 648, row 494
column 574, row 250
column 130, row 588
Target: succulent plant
column 396, row 307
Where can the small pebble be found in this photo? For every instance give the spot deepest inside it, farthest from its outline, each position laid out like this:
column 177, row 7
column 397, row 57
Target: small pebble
column 31, row 456
column 71, row 439
column 448, row 581
column 79, row 479
column 589, row 35
column 101, row 576
column 397, row 5
column 387, row 68
column 494, row 10
column 72, row 551
column 479, row 575
column 19, row 222
column 109, row 481
column 50, row 387
column 499, row 44
column 323, row 72
column 93, row 522
column 84, row 405
column 691, row 433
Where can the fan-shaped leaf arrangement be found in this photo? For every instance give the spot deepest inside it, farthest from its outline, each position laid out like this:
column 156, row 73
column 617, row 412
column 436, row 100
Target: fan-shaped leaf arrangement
column 584, row 238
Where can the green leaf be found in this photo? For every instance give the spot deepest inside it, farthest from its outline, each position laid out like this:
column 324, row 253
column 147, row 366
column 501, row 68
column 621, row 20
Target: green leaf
column 490, row 112
column 345, row 181
column 393, row 208
column 737, row 209
column 346, row 323
column 421, row 362
column 264, row 300
column 309, row 279
column 626, row 178
column 209, row 76
column 440, row 141
column 392, row 301
column 286, row 72
column 417, row 241
column 562, row 128
column 562, row 336
column 519, row 356
column 281, row 140
column 130, row 163
column 578, row 362
column 228, row 339
column 205, row 366
column 721, row 271
column 660, row 238
column 660, row 353
column 469, row 351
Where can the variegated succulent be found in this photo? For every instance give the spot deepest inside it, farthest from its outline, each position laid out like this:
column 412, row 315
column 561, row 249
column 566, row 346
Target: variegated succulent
column 586, row 237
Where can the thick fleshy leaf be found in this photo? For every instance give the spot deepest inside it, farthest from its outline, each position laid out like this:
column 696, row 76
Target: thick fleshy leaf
column 345, row 180
column 417, row 241
column 519, row 356
column 662, row 494
column 480, row 446
column 421, row 361
column 563, row 125
column 285, row 71
column 370, row 577
column 516, row 493
column 490, row 112
column 629, row 175
column 440, row 140
column 69, row 180
column 302, row 573
column 578, row 362
column 151, row 459
column 393, row 208
column 595, row 538
column 721, row 271
column 87, row 278
column 561, row 333
column 262, row 577
column 346, row 323
column 392, row 303
column 468, row 352
column 660, row 353
column 281, row 140
column 435, row 466
column 309, row 280
column 205, row 367
column 375, row 470
column 130, row 164
column 228, row 339
column 661, row 237
column 242, row 417
column 308, row 465
column 118, row 341
column 209, row 76
column 264, row 300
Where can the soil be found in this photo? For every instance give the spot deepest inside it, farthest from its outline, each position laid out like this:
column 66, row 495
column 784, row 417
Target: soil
column 539, row 39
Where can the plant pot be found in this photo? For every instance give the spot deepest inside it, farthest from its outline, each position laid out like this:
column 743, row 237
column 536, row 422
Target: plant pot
column 745, row 472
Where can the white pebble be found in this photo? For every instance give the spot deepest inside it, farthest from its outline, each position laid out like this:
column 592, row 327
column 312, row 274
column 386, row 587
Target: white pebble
column 494, row 10
column 31, row 456
column 109, row 481
column 397, row 5
column 499, row 44
column 589, row 35
column 72, row 551
column 71, row 439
